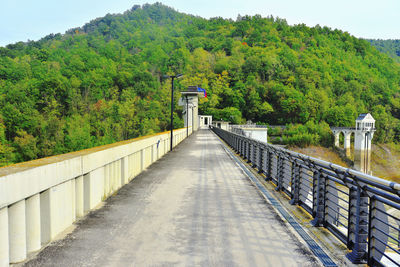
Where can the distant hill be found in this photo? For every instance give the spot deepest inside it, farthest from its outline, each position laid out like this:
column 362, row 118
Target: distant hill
column 390, row 47
column 101, row 82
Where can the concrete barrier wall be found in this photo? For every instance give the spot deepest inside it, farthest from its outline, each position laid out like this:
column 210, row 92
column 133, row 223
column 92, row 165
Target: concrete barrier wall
column 39, row 199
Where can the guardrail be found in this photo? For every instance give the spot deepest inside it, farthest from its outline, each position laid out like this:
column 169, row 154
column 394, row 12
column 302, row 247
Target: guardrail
column 39, row 199
column 248, row 126
column 361, row 210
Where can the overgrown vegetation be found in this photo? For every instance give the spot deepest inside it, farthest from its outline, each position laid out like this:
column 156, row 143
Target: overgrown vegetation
column 390, row 47
column 101, row 83
column 308, row 134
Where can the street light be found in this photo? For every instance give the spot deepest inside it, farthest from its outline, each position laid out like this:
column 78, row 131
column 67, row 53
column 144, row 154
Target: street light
column 173, row 77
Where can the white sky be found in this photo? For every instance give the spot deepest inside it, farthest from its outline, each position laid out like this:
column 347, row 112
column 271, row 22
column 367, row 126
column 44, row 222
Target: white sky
column 21, row 20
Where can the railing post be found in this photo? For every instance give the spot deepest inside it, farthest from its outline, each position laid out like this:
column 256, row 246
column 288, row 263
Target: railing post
column 254, row 159
column 250, row 157
column 260, row 159
column 244, row 148
column 295, row 183
column 358, row 211
column 241, row 147
column 236, row 144
column 268, row 168
column 371, row 231
column 279, row 173
column 318, row 199
column 247, row 149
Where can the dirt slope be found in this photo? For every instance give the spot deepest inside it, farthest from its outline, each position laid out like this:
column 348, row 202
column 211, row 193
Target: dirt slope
column 385, row 159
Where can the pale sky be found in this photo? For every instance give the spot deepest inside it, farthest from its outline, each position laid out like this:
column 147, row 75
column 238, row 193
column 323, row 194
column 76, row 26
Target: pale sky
column 21, row 20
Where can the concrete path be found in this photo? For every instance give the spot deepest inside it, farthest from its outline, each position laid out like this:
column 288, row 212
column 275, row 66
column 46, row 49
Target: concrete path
column 194, row 207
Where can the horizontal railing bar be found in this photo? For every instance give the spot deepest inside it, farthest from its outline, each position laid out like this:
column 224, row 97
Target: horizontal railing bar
column 385, row 201
column 345, row 217
column 341, row 191
column 302, row 189
column 387, row 257
column 344, row 200
column 386, row 213
column 338, row 221
column 390, row 215
column 387, row 224
column 338, row 206
column 387, row 246
column 384, row 233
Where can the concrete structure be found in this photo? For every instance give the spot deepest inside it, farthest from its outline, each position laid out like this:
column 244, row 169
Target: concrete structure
column 365, row 129
column 190, row 102
column 224, row 125
column 363, row 134
column 205, row 121
column 40, row 199
column 257, row 132
column 195, row 207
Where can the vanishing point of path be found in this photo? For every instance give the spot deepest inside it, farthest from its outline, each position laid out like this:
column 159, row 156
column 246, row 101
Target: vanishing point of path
column 193, row 207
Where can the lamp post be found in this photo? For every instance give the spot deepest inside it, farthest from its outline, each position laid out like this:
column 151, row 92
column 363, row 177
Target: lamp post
column 173, row 77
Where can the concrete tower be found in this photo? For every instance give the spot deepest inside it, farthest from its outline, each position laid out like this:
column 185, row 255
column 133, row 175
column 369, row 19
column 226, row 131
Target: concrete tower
column 190, row 103
column 364, row 132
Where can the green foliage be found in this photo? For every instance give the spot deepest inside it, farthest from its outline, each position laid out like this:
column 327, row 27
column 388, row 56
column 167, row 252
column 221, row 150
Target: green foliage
column 6, row 151
column 390, row 47
column 303, row 135
column 25, row 145
column 102, row 82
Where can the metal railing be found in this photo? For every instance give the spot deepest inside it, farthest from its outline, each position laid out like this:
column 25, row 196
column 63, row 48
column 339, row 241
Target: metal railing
column 361, row 210
column 248, row 126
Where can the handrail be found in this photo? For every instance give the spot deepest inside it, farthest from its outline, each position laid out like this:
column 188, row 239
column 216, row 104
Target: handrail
column 248, row 126
column 362, row 210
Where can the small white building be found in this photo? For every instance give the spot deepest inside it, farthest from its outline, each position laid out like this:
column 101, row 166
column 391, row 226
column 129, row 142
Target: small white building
column 365, row 122
column 252, row 131
column 224, row 125
column 205, row 121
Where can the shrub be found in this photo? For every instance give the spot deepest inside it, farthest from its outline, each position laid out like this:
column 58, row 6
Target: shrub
column 307, row 134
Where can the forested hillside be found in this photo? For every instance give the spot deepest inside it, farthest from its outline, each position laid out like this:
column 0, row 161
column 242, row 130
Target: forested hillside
column 101, row 83
column 390, row 47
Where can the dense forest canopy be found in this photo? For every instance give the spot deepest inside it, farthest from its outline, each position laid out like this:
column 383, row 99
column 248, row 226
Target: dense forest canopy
column 390, row 47
column 101, row 83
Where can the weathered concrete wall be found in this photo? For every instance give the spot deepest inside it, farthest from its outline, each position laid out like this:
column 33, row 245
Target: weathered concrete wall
column 258, row 134
column 363, row 151
column 40, row 199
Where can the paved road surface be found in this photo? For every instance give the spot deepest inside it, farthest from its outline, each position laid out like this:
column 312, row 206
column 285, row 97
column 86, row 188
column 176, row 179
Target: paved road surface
column 194, row 207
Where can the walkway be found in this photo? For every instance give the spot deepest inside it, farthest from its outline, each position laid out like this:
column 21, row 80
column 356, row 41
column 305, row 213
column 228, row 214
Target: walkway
column 194, row 207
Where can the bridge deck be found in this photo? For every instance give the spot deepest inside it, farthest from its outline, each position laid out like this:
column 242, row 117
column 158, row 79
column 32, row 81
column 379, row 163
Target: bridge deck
column 193, row 207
